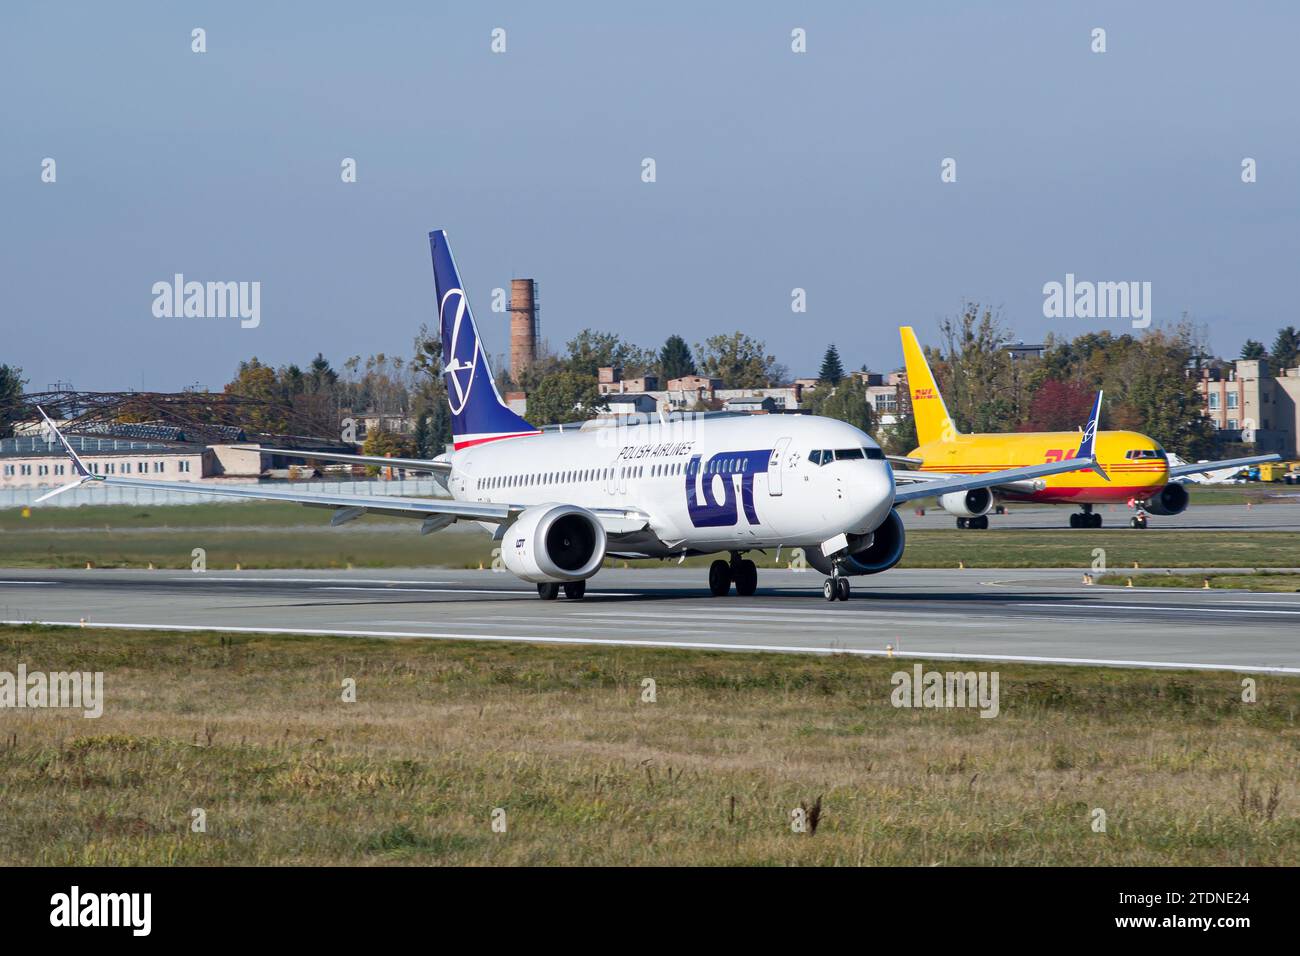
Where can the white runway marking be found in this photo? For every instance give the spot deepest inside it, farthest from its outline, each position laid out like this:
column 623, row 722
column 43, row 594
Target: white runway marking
column 30, row 582
column 685, row 645
column 387, row 590
column 1159, row 607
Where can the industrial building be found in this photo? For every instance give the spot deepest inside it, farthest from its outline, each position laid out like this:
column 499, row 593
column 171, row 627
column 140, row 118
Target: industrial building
column 1251, row 405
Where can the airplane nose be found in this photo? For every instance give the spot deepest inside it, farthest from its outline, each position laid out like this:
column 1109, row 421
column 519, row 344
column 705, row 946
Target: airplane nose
column 872, row 496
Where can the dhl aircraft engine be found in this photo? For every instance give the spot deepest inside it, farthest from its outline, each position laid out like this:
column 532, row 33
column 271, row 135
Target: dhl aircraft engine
column 1172, row 500
column 967, row 504
column 554, row 543
column 868, row 554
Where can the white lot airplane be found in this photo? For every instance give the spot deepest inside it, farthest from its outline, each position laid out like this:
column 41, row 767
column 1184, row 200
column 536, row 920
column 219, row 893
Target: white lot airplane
column 561, row 501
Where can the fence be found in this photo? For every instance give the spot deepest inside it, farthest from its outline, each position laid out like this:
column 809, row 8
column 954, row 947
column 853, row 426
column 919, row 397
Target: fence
column 94, row 493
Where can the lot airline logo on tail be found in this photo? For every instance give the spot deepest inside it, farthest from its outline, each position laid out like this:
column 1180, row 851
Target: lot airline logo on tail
column 464, row 351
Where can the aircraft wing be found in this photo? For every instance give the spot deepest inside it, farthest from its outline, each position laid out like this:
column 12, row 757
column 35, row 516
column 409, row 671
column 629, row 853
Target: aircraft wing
column 411, row 464
column 1178, row 471
column 437, row 513
column 929, row 484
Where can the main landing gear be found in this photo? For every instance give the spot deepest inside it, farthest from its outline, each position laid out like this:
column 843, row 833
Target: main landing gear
column 980, row 523
column 1085, row 519
column 740, row 571
column 573, row 590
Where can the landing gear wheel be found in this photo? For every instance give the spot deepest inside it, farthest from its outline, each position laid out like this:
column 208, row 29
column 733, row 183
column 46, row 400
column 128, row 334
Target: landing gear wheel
column 548, row 591
column 574, row 590
column 719, row 578
column 830, row 590
column 745, row 574
column 1094, row 520
column 842, row 588
column 1136, row 522
column 981, row 523
column 963, row 523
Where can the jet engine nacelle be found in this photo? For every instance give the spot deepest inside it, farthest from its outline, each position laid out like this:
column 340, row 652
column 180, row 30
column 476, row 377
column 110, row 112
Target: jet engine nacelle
column 967, row 504
column 868, row 554
column 1172, row 500
column 554, row 543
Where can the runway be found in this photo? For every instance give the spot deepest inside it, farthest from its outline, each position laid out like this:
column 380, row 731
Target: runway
column 982, row 615
column 1274, row 516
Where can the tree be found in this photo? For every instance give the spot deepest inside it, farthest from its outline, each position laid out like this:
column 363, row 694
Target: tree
column 832, row 370
column 675, row 359
column 590, row 351
column 429, row 401
column 983, row 389
column 11, row 398
column 565, row 396
column 1253, row 350
column 1286, row 349
column 1059, row 406
column 846, row 402
column 381, row 442
column 260, row 383
column 900, row 437
column 739, row 361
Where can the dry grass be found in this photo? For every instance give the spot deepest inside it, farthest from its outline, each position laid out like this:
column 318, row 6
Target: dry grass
column 252, row 729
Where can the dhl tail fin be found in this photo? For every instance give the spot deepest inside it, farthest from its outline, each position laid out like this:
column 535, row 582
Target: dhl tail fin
column 928, row 410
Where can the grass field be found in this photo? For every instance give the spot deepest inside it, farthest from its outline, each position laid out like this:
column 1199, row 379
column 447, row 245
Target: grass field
column 1259, row 581
column 253, row 731
column 267, row 535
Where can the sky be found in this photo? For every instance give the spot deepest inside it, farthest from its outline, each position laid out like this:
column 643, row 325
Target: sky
column 774, row 171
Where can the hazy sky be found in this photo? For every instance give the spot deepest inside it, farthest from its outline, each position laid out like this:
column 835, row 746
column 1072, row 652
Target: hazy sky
column 775, row 170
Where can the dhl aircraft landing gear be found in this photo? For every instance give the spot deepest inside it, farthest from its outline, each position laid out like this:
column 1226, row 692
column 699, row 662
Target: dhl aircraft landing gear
column 836, row 587
column 740, row 571
column 1085, row 519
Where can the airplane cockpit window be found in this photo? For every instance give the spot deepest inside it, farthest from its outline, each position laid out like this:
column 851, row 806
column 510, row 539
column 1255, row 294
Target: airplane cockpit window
column 874, row 454
column 815, row 457
column 848, row 454
column 1143, row 453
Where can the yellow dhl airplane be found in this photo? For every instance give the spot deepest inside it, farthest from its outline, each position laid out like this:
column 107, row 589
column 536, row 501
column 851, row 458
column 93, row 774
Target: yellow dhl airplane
column 1133, row 468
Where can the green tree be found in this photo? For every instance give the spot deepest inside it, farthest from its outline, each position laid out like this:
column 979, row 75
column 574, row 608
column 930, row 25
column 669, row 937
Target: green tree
column 565, row 396
column 590, row 351
column 832, row 369
column 380, row 441
column 12, row 409
column 846, row 402
column 900, row 437
column 1286, row 349
column 739, row 361
column 675, row 360
column 429, row 398
column 984, row 392
column 261, row 384
column 1253, row 350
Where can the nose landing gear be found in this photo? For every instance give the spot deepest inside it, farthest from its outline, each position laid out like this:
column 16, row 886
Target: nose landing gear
column 836, row 587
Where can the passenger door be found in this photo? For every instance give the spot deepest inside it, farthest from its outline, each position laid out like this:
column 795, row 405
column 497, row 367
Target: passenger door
column 775, row 465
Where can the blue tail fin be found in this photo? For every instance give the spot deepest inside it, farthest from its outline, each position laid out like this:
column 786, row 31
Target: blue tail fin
column 1087, row 447
column 478, row 413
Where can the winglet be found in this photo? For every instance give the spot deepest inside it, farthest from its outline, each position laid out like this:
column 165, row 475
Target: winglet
column 1087, row 447
column 78, row 465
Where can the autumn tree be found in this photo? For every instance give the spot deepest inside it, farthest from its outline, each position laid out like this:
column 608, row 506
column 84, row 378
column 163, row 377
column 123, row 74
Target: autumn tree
column 739, row 361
